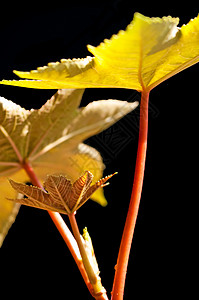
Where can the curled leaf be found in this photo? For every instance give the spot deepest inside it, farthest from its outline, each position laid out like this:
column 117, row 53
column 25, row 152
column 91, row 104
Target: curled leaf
column 90, row 250
column 60, row 194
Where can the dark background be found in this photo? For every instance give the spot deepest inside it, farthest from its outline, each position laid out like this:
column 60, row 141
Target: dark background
column 34, row 261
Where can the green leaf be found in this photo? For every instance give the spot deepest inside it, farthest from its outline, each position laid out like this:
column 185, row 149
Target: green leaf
column 148, row 52
column 51, row 140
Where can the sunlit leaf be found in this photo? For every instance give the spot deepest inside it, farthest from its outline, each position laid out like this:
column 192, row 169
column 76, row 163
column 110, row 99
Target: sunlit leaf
column 50, row 138
column 148, row 52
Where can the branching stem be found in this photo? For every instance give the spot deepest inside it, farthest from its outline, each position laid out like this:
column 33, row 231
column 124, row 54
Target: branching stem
column 75, row 246
column 125, row 246
column 63, row 229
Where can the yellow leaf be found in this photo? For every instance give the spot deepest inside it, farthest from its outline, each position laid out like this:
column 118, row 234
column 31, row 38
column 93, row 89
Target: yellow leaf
column 55, row 146
column 8, row 210
column 72, row 162
column 148, row 52
column 34, row 84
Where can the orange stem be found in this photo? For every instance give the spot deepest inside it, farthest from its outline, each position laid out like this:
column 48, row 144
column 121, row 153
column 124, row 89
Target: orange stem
column 125, row 246
column 72, row 245
column 63, row 229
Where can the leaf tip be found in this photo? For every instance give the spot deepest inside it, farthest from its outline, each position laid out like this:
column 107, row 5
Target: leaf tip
column 17, row 72
column 90, row 48
column 12, row 182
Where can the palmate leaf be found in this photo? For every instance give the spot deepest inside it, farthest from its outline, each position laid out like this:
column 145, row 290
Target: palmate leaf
column 148, row 52
column 51, row 140
column 60, row 193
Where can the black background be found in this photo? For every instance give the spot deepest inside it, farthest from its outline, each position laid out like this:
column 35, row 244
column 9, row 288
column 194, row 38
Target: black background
column 34, row 261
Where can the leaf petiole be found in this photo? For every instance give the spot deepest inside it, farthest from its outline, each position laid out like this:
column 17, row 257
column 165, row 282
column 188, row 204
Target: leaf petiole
column 125, row 246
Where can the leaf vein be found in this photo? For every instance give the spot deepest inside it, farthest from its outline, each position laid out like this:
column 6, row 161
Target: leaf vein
column 12, row 143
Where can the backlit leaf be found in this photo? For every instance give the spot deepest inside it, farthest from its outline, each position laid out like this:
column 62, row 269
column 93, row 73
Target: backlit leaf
column 60, row 194
column 50, row 138
column 148, row 52
column 8, row 210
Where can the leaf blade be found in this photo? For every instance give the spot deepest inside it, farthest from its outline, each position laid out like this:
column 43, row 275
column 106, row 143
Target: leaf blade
column 13, row 123
column 53, row 118
column 36, row 197
column 73, row 163
column 182, row 55
column 62, row 195
column 148, row 52
column 94, row 118
column 80, row 187
column 59, row 118
column 8, row 210
column 101, row 115
column 59, row 188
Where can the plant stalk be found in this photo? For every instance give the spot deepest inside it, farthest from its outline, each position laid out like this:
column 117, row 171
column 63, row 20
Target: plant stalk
column 125, row 246
column 62, row 228
column 99, row 293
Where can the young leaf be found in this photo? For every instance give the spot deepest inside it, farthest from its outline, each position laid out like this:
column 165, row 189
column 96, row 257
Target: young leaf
column 148, row 52
column 55, row 146
column 90, row 250
column 61, row 195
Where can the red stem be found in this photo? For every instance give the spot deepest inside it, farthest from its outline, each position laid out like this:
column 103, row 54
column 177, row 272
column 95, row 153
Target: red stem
column 71, row 243
column 125, row 246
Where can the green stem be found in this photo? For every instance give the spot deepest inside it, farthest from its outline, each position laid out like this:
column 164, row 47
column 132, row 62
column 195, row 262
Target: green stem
column 125, row 246
column 95, row 280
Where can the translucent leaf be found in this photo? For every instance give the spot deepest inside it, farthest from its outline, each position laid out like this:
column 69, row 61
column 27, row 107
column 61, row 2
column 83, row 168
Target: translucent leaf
column 148, row 52
column 52, row 117
column 55, row 146
column 73, row 163
column 8, row 210
column 13, row 133
column 61, row 195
